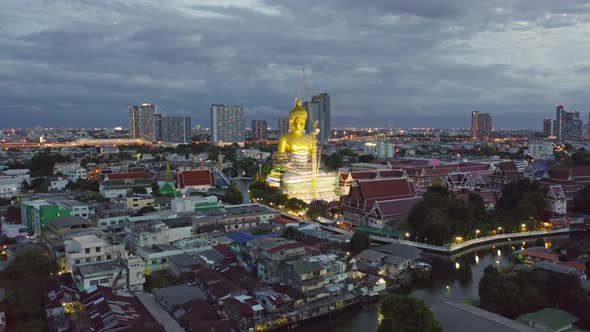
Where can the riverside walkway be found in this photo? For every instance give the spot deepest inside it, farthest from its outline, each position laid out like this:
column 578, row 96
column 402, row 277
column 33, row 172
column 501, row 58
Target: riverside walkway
column 455, row 248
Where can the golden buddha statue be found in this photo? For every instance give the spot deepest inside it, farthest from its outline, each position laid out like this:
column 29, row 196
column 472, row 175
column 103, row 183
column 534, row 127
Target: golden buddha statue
column 296, row 141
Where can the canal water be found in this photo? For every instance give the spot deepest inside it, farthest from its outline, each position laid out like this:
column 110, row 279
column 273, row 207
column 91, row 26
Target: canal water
column 454, row 278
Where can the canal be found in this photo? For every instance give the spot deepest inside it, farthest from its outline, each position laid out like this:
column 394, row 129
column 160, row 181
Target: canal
column 454, row 278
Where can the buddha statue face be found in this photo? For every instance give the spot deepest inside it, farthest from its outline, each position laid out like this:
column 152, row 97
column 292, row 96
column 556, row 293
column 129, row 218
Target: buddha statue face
column 297, row 124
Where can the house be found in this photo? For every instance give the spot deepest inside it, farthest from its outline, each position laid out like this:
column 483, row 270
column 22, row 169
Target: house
column 549, row 319
column 181, row 265
column 245, row 311
column 110, row 312
column 138, row 202
column 560, row 268
column 60, row 225
column 533, row 255
column 174, row 296
column 86, row 249
column 372, row 258
column 10, row 187
column 118, row 275
column 58, row 184
column 110, row 214
column 201, row 179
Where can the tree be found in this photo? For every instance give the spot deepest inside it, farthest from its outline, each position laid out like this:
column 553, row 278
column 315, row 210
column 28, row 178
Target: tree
column 292, row 233
column 30, row 263
column 144, row 210
column 296, row 205
column 38, row 185
column 359, row 241
column 233, row 195
column 318, row 208
column 366, row 158
column 405, row 314
column 582, row 200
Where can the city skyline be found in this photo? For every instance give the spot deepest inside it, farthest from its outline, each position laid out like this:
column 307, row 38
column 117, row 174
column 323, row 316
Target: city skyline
column 86, row 61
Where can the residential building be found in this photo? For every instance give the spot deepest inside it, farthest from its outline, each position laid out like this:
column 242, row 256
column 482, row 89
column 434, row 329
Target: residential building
column 195, row 203
column 108, row 214
column 259, row 130
column 569, row 124
column 139, row 202
column 549, row 320
column 10, row 187
column 76, row 173
column 283, row 125
column 37, row 214
column 174, row 129
column 227, row 124
column 58, row 184
column 481, row 125
column 120, row 275
column 319, row 109
column 141, row 122
column 549, row 128
column 87, row 249
column 253, row 153
column 541, row 150
column 381, row 150
column 152, row 232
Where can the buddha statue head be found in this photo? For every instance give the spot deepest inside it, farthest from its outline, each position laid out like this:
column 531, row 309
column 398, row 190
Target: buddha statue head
column 297, row 118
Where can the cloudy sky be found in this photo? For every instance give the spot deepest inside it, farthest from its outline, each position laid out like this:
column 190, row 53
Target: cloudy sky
column 425, row 63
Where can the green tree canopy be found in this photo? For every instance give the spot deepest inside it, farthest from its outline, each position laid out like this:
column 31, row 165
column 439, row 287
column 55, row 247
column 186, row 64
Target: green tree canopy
column 582, row 200
column 29, row 264
column 233, row 195
column 292, row 233
column 406, row 314
column 359, row 241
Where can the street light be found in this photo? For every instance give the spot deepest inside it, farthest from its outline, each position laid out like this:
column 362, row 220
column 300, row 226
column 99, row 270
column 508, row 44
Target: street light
column 476, row 233
column 499, row 229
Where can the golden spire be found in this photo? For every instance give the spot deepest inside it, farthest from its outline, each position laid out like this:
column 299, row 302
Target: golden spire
column 168, row 177
column 298, row 102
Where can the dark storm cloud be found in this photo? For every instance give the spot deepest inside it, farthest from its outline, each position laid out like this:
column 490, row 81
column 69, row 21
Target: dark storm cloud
column 406, row 63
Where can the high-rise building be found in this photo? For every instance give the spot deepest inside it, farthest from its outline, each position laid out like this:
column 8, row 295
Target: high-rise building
column 319, row 108
column 227, row 124
column 141, row 121
column 559, row 120
column 259, row 129
column 157, row 127
column 283, row 126
column 175, row 129
column 568, row 124
column 548, row 128
column 481, row 125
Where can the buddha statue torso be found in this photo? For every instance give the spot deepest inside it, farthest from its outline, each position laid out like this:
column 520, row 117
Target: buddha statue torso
column 295, row 147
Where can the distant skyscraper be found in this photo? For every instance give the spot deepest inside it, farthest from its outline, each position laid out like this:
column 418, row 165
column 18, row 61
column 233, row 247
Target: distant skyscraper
column 548, row 127
column 568, row 124
column 259, row 129
column 481, row 125
column 283, row 126
column 141, row 121
column 157, row 127
column 227, row 124
column 176, row 129
column 319, row 107
column 559, row 120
